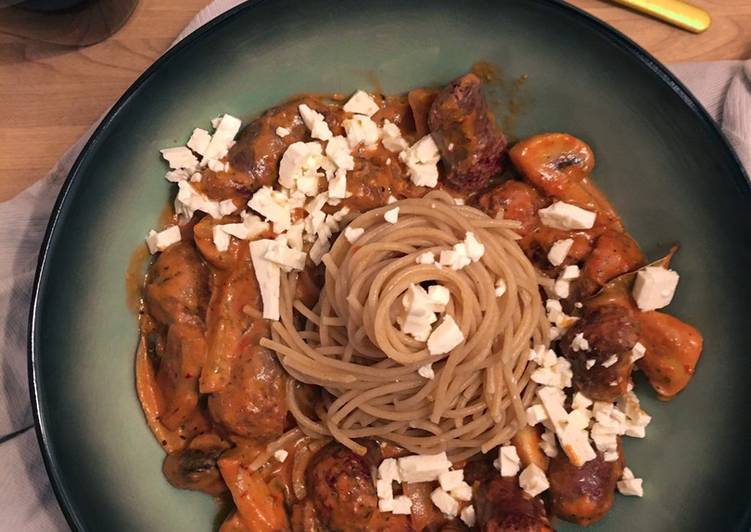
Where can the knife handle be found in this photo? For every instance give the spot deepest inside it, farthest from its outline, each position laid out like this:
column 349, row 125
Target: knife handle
column 676, row 12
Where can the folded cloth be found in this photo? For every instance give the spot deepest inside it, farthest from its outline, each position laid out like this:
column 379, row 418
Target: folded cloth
column 26, row 499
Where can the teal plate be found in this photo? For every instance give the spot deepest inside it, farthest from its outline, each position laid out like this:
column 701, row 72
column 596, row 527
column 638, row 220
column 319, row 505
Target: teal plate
column 661, row 160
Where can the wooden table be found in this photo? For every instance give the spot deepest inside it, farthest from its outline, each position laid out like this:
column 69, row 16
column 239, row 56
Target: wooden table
column 50, row 95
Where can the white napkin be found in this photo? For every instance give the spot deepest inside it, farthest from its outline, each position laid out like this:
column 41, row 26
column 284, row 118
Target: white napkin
column 26, row 499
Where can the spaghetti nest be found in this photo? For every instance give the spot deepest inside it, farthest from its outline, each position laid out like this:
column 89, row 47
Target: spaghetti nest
column 351, row 343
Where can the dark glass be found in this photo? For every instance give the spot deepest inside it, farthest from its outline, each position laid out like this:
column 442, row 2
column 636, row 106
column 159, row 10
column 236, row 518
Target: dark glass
column 65, row 22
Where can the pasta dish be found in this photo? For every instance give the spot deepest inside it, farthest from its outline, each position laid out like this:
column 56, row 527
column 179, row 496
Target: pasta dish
column 370, row 312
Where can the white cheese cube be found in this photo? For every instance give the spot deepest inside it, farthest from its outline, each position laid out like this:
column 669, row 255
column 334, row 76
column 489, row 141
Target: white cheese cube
column 389, row 470
column 509, row 460
column 445, row 337
column 548, row 444
column 654, row 287
column 338, row 185
column 562, row 288
column 285, row 257
column 353, row 233
column 455, row 258
column 468, row 516
column 589, row 364
column 536, row 414
column 268, row 275
column 425, row 258
column 638, row 352
column 632, row 487
column 580, row 401
column 392, row 137
column 533, row 480
column 559, row 250
column 610, row 361
column 159, row 241
column 500, row 288
column 564, row 216
column 179, row 158
column 386, row 505
column 361, row 129
column 281, row 455
column 402, row 505
column 282, row 132
column 392, row 216
column 361, row 103
column 340, row 153
column 221, row 238
column 273, row 206
column 384, row 489
column 475, row 249
column 299, row 166
column 463, row 492
column 426, row 371
column 579, row 343
column 445, row 502
column 315, row 122
column 199, row 141
column 450, row 480
column 423, row 467
column 222, row 138
column 422, row 162
column 570, row 273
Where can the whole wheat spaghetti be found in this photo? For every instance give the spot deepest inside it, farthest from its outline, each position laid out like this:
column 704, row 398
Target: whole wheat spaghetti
column 352, row 346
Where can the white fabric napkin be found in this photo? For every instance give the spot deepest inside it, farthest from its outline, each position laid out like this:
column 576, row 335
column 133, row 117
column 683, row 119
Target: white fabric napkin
column 26, row 499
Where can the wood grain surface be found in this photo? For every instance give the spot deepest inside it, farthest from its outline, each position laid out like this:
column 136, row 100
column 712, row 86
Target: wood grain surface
column 51, row 95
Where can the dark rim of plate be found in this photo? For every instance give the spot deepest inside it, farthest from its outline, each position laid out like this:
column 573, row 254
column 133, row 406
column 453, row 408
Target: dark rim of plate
column 194, row 38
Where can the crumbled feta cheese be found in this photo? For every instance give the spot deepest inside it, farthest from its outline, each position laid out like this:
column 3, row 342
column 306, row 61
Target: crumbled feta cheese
column 179, row 158
column 509, row 461
column 183, row 174
column 385, row 505
column 579, row 343
column 630, row 486
column 389, row 470
column 654, row 287
column 284, row 256
column 558, row 375
column 612, row 359
column 353, row 233
column 159, row 241
column 445, row 337
column 455, row 258
column 468, row 516
column 500, row 288
column 218, row 166
column 590, row 363
column 274, row 206
column 570, row 273
column 561, row 288
column 227, row 207
column 391, row 199
column 422, row 162
column 445, row 502
column 450, row 480
column 392, row 137
column 561, row 215
column 315, row 122
column 533, row 480
column 463, row 492
column 574, row 441
column 559, row 250
column 361, row 129
column 268, row 275
column 338, row 150
column 384, row 489
column 577, row 419
column 298, row 168
column 637, row 352
column 189, row 200
column 199, row 141
column 222, row 138
column 536, row 414
column 548, row 444
column 422, row 467
column 392, row 216
column 426, row 371
column 361, row 103
column 338, row 185
column 281, row 455
column 580, row 401
column 420, row 307
column 475, row 249
column 426, row 257
column 282, row 132
column 402, row 505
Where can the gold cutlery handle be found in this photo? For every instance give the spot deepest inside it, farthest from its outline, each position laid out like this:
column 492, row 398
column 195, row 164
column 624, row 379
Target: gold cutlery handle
column 675, row 12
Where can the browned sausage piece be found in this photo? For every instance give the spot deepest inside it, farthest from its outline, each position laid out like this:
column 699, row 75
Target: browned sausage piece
column 341, row 487
column 463, row 127
column 253, row 403
column 517, row 200
column 254, row 158
column 502, row 506
column 178, row 373
column 609, row 331
column 177, row 286
column 583, row 495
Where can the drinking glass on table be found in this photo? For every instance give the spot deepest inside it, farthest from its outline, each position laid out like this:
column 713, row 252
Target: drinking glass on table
column 65, row 22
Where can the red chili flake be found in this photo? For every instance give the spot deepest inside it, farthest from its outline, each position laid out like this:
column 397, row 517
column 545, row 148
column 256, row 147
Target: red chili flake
column 188, row 376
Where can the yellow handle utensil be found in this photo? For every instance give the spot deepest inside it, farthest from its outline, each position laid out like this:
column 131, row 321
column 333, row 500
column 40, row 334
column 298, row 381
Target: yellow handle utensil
column 675, row 12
